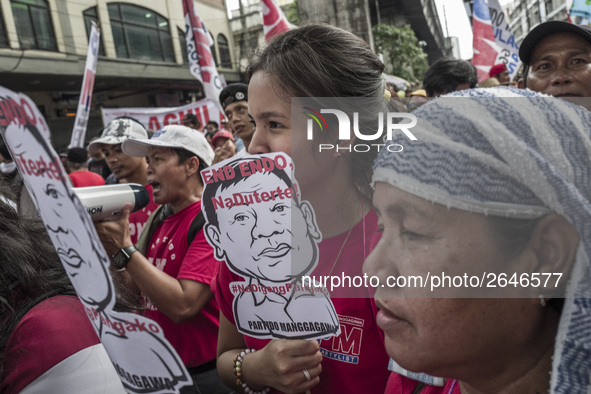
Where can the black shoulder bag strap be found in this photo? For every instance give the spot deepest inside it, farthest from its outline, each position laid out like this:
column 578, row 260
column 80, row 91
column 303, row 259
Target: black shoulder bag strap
column 196, row 226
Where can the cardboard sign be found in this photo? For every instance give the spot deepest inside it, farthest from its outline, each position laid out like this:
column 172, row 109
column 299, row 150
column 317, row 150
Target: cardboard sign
column 143, row 358
column 260, row 227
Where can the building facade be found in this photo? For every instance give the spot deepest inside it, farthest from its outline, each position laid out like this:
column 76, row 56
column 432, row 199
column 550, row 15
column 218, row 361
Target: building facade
column 246, row 23
column 526, row 14
column 142, row 57
column 423, row 18
column 356, row 16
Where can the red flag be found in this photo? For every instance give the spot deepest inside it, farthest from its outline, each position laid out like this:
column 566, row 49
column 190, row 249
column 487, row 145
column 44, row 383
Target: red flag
column 274, row 20
column 201, row 61
column 485, row 48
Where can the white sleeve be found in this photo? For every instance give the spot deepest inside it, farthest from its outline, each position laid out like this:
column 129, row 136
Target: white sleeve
column 87, row 371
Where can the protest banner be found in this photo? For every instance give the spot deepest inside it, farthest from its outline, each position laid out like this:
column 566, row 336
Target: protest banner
column 485, row 48
column 504, row 38
column 494, row 43
column 260, row 227
column 155, row 118
column 201, row 61
column 144, row 360
column 580, row 8
column 83, row 111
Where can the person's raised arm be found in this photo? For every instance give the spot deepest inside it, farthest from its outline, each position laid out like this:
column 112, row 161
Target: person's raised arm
column 179, row 299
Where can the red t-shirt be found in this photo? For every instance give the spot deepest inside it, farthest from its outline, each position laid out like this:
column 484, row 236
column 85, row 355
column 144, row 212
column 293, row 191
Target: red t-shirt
column 138, row 219
column 356, row 360
column 195, row 340
column 50, row 332
column 86, row 178
column 398, row 384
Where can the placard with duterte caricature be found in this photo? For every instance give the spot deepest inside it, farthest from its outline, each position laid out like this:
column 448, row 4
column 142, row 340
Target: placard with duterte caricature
column 143, row 358
column 259, row 226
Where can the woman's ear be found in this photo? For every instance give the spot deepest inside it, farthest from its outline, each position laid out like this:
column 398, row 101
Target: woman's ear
column 554, row 242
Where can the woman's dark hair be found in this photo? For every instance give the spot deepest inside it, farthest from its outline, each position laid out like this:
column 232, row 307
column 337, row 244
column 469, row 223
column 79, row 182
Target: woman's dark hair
column 29, row 264
column 30, row 269
column 326, row 61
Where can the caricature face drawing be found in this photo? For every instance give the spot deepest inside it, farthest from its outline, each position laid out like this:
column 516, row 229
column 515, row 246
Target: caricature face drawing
column 71, row 239
column 135, row 344
column 272, row 240
column 258, row 225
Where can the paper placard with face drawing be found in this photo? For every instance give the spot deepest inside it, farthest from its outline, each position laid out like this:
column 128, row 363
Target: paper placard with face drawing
column 260, row 227
column 143, row 358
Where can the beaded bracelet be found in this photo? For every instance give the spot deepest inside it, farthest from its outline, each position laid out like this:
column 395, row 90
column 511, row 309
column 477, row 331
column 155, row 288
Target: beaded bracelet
column 238, row 373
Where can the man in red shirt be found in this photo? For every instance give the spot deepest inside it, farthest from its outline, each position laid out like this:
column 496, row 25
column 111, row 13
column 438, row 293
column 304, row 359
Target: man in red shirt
column 78, row 165
column 175, row 274
column 126, row 168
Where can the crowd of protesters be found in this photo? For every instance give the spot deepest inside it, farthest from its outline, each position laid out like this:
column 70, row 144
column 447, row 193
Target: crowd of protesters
column 486, row 182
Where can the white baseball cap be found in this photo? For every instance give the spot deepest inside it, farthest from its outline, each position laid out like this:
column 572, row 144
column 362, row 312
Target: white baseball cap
column 172, row 136
column 117, row 131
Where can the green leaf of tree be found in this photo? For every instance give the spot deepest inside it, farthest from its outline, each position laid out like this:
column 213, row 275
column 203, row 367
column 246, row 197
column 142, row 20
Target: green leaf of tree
column 403, row 54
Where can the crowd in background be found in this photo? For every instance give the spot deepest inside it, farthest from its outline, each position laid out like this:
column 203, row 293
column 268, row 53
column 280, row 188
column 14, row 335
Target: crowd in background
column 485, row 182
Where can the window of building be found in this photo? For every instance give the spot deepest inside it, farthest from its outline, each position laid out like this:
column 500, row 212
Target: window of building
column 3, row 35
column 33, row 24
column 548, row 6
column 535, row 18
column 183, row 41
column 224, row 49
column 140, row 33
column 213, row 54
column 90, row 15
column 518, row 30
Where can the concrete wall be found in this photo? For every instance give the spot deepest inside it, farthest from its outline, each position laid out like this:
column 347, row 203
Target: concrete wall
column 351, row 15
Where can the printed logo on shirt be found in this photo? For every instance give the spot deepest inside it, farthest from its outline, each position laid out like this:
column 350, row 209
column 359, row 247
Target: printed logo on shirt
column 347, row 346
column 135, row 229
column 160, row 262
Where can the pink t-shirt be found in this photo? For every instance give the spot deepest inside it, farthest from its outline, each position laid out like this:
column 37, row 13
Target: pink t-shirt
column 138, row 219
column 356, row 360
column 50, row 332
column 398, row 384
column 86, row 178
column 195, row 340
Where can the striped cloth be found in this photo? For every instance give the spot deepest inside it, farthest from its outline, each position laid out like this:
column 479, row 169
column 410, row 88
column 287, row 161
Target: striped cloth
column 511, row 153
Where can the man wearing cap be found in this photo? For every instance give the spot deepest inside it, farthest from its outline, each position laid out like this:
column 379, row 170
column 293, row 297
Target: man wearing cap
column 78, row 165
column 224, row 145
column 192, row 121
column 499, row 71
column 557, row 56
column 234, row 101
column 175, row 272
column 125, row 167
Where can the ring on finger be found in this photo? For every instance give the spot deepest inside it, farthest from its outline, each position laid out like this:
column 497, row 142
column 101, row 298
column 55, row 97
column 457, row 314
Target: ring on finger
column 307, row 374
